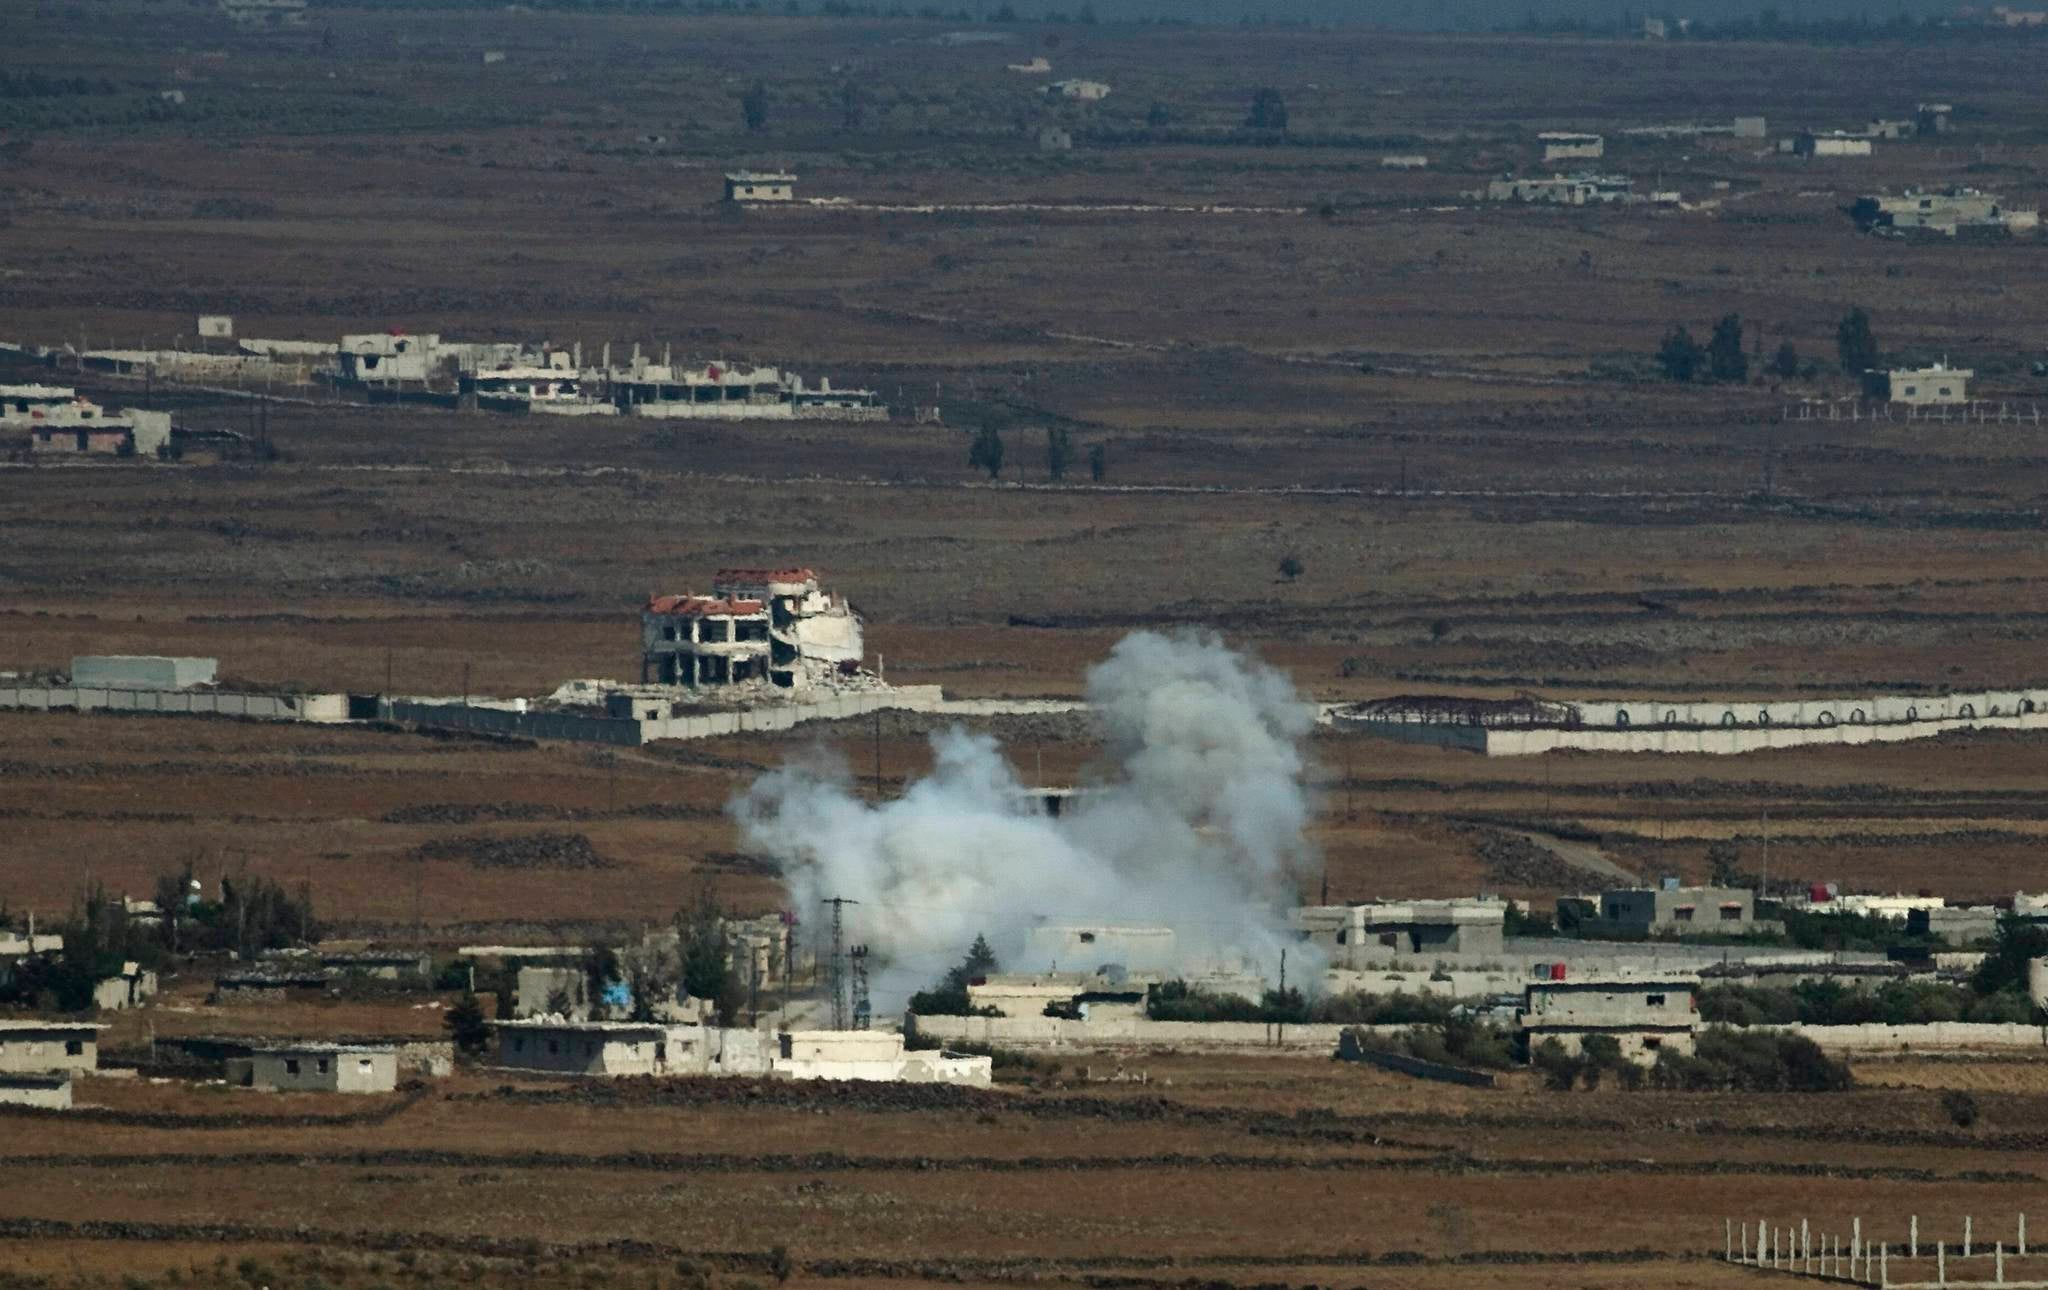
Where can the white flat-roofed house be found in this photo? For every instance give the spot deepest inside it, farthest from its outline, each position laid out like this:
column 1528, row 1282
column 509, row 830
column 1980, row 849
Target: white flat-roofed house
column 760, row 186
column 34, row 1046
column 317, row 1068
column 386, row 358
column 1926, row 386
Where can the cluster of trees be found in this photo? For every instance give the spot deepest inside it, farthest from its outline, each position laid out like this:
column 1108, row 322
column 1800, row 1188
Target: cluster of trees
column 1722, row 360
column 253, row 914
column 985, row 451
column 1724, row 1059
column 1179, row 1001
column 1455, row 1041
column 1831, row 1003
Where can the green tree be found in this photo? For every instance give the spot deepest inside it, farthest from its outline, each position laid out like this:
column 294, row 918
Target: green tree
column 1856, row 344
column 1059, row 451
column 1098, row 462
column 948, row 996
column 986, row 452
column 754, row 105
column 1269, row 110
column 706, row 951
column 1158, row 115
column 2016, row 943
column 1786, row 363
column 465, row 1024
column 1291, row 566
column 1680, row 355
column 1725, row 359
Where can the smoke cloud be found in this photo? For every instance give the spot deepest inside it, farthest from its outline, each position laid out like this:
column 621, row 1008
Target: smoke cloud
column 1195, row 819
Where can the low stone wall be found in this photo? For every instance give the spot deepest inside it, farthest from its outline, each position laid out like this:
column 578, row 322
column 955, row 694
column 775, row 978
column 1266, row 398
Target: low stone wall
column 215, row 703
column 1738, row 739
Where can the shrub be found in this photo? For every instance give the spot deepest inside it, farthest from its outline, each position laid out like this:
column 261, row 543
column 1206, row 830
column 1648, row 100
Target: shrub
column 1960, row 1107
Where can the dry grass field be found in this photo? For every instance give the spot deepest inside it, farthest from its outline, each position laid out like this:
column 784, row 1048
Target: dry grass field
column 1446, row 412
column 1244, row 1170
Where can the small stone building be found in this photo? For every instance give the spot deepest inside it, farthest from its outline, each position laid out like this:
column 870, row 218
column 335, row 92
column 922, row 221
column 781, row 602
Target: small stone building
column 1644, row 1016
column 317, row 1068
column 1670, row 909
column 49, row 1092
column 34, row 1046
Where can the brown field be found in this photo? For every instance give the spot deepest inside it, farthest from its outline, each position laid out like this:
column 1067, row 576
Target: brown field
column 1446, row 412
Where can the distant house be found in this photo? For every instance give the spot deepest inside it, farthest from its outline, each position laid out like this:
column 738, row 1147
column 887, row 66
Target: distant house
column 37, row 1047
column 129, row 988
column 760, row 186
column 1926, row 386
column 1563, row 190
column 1830, row 143
column 1670, row 908
column 386, row 358
column 1643, row 1016
column 1562, row 145
column 50, row 1092
column 1404, row 161
column 1052, row 138
column 264, row 13
column 1036, row 67
column 1751, row 127
column 1934, row 118
column 564, row 1047
column 1355, row 935
column 1085, row 91
column 317, row 1068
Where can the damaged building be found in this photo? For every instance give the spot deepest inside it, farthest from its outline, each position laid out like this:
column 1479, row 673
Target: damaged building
column 735, row 392
column 758, row 629
column 1354, row 936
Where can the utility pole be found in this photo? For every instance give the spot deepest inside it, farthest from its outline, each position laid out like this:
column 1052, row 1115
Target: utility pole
column 387, row 671
column 465, row 684
column 878, row 756
column 838, row 904
column 1280, row 1035
column 863, row 1011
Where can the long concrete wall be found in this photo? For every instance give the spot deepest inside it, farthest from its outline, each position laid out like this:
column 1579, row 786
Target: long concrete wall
column 1739, row 739
column 1931, row 1036
column 220, row 703
column 630, row 732
column 1135, row 1032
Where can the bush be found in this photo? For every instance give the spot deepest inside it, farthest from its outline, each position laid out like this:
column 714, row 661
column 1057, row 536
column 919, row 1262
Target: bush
column 1960, row 1107
column 1752, row 1062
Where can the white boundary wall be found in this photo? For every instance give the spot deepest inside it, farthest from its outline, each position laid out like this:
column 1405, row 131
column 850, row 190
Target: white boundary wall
column 1739, row 739
column 1135, row 1032
column 1930, row 1036
column 221, row 703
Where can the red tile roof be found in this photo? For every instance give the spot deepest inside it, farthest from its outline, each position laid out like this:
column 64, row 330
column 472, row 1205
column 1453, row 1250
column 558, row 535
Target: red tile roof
column 703, row 606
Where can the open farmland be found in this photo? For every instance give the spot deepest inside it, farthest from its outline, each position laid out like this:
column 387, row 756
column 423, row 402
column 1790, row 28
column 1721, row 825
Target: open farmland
column 1250, row 1170
column 1387, row 438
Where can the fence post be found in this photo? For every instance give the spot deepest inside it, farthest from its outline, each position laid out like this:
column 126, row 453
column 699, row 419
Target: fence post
column 1805, row 1247
column 1966, row 1236
column 1855, row 1243
column 1941, row 1263
column 1998, row 1253
column 1727, row 1233
column 1913, row 1236
column 2022, row 1250
column 1884, row 1264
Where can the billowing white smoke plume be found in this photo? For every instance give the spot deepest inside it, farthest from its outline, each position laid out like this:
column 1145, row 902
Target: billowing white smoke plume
column 1195, row 820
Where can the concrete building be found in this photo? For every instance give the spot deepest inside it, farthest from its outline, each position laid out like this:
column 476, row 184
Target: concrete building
column 1951, row 212
column 1353, row 936
column 619, row 1048
column 1036, row 67
column 216, row 327
column 1404, row 161
column 1830, row 143
column 45, row 1092
column 1564, row 190
column 546, row 390
column 34, row 1046
column 873, row 1055
column 1085, row 91
column 758, row 629
column 1563, row 145
column 387, row 358
column 553, row 987
column 1083, row 995
column 131, row 987
column 1934, row 118
column 1671, row 909
column 1750, row 127
column 560, row 1046
column 1053, row 138
column 25, row 405
column 736, row 392
column 1926, row 386
column 142, row 671
column 317, row 1068
column 760, row 186
column 1954, row 925
column 1088, row 947
column 1644, row 1016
